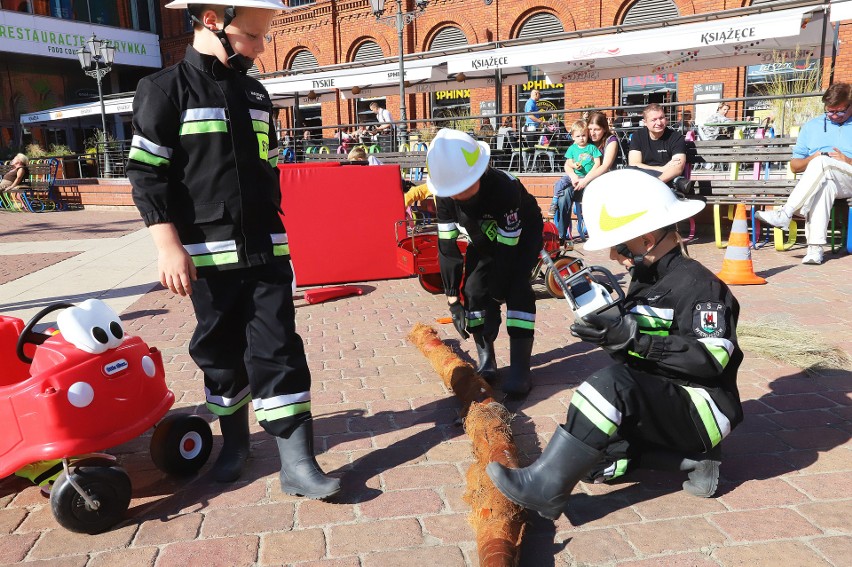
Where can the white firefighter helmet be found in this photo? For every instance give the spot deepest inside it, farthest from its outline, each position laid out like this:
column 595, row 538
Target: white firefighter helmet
column 266, row 4
column 621, row 205
column 455, row 161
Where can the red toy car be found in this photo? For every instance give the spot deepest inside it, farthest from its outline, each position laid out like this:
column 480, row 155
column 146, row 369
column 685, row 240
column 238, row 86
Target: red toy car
column 81, row 390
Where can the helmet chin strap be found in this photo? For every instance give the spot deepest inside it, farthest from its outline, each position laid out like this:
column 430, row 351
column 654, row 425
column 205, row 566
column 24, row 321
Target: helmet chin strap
column 637, row 259
column 238, row 62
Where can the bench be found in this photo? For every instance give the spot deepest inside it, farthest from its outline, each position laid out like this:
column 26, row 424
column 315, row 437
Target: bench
column 750, row 180
column 38, row 193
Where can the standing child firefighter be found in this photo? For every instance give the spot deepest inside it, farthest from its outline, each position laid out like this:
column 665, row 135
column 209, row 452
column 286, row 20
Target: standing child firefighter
column 204, row 176
column 504, row 225
column 671, row 397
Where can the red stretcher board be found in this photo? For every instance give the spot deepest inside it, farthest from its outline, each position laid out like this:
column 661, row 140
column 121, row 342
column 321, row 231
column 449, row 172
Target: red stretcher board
column 340, row 221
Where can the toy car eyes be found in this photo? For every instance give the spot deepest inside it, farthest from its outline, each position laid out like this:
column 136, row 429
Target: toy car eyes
column 116, row 330
column 100, row 335
column 91, row 326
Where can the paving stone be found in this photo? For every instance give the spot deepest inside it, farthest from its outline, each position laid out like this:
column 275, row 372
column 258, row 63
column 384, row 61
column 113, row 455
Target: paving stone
column 221, row 552
column 365, row 537
column 60, row 542
column 15, row 547
column 834, row 516
column 836, row 549
column 316, row 513
column 681, row 536
column 248, row 520
column 292, row 547
column 442, row 555
column 594, row 547
column 168, row 530
column 10, row 519
column 765, row 524
column 761, row 494
column 134, row 557
column 400, row 503
column 422, row 476
column 823, row 486
column 673, row 560
column 788, row 553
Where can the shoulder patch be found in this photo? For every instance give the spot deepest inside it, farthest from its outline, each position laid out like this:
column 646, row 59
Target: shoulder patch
column 708, row 319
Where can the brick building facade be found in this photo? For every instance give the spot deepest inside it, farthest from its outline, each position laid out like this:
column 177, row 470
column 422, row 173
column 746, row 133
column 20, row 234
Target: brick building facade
column 330, row 32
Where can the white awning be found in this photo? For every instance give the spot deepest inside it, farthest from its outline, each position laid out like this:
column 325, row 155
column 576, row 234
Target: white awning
column 122, row 105
column 362, row 77
column 436, row 86
column 841, row 11
column 717, row 43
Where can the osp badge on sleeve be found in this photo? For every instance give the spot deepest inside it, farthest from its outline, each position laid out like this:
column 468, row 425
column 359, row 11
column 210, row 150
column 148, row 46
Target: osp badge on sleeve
column 708, row 319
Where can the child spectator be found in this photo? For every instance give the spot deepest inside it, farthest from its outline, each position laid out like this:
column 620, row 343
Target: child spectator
column 581, row 158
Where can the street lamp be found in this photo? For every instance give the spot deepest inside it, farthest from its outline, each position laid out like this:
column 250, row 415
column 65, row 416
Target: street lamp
column 96, row 58
column 400, row 20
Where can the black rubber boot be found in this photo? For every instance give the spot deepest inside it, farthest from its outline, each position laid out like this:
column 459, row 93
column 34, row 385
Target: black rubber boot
column 487, row 362
column 545, row 485
column 518, row 382
column 235, row 449
column 300, row 474
column 702, row 469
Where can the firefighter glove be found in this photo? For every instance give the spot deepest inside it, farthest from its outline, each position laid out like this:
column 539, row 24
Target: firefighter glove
column 459, row 318
column 613, row 335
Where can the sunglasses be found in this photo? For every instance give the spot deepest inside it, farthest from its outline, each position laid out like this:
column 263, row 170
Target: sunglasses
column 838, row 112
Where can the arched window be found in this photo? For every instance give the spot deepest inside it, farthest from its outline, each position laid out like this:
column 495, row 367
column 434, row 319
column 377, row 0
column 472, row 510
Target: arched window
column 539, row 25
column 303, row 61
column 448, row 37
column 552, row 96
column 645, row 11
column 367, row 51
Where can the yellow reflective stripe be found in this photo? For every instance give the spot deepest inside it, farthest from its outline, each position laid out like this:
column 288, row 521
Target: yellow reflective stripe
column 593, row 414
column 142, row 156
column 508, row 241
column 203, row 127
column 448, row 234
column 706, row 415
column 282, row 412
column 280, row 249
column 260, row 126
column 520, row 323
column 227, row 410
column 218, row 259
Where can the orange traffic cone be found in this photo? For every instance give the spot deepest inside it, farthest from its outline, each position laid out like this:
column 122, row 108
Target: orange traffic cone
column 737, row 268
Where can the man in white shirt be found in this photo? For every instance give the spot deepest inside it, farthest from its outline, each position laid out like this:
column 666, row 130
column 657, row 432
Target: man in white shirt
column 385, row 128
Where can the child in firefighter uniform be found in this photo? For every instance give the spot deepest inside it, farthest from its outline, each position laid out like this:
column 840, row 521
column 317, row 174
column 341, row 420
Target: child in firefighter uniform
column 671, row 397
column 504, row 225
column 203, row 171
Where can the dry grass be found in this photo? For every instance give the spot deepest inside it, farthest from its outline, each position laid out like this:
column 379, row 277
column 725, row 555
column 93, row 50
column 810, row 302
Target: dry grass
column 785, row 341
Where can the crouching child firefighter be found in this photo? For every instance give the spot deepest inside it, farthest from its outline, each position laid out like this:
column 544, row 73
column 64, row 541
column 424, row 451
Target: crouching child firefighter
column 504, row 225
column 671, row 396
column 203, row 170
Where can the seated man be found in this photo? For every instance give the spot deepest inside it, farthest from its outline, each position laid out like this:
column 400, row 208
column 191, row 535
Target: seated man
column 660, row 151
column 824, row 152
column 670, row 397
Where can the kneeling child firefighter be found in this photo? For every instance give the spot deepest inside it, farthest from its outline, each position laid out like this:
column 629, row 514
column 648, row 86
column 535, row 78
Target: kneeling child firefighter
column 671, row 396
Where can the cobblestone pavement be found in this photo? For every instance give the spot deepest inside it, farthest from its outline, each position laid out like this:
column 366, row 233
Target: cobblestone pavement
column 386, row 424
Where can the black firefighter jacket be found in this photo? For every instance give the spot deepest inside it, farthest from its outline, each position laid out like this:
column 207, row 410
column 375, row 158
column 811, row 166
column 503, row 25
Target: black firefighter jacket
column 687, row 321
column 204, row 157
column 504, row 224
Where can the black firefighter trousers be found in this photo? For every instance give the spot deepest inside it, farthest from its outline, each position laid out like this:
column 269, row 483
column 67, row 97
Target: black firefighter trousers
column 246, row 344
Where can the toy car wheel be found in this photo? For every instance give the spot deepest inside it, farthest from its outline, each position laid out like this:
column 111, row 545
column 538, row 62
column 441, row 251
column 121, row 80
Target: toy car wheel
column 552, row 285
column 108, row 487
column 431, row 283
column 181, row 444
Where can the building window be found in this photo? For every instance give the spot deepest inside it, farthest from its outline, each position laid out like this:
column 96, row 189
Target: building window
column 297, row 3
column 303, row 61
column 452, row 104
column 367, row 51
column 552, row 96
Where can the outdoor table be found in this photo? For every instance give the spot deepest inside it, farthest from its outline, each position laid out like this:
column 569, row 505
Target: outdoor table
column 741, row 125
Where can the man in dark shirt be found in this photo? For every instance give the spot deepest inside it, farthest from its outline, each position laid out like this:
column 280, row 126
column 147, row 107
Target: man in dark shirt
column 660, row 151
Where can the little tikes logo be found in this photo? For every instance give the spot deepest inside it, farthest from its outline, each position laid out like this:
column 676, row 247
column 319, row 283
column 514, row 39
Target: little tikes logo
column 609, row 222
column 115, row 367
column 471, row 157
